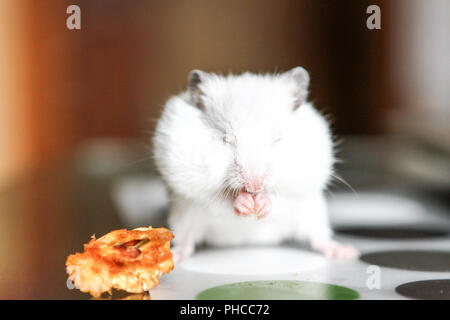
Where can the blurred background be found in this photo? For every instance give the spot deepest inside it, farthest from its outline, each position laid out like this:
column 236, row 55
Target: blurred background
column 78, row 106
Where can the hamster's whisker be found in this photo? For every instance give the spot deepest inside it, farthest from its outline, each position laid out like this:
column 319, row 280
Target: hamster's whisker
column 138, row 161
column 345, row 183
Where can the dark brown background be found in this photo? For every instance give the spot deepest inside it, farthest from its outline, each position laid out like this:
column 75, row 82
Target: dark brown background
column 111, row 78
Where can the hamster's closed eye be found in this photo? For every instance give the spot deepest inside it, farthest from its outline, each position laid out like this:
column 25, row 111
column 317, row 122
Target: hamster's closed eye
column 276, row 140
column 228, row 138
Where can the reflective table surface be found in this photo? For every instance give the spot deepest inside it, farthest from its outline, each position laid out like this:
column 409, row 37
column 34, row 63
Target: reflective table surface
column 51, row 214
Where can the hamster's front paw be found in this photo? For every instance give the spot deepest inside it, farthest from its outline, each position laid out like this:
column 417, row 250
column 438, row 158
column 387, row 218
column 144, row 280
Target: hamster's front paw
column 263, row 205
column 247, row 204
column 244, row 204
column 181, row 252
column 332, row 249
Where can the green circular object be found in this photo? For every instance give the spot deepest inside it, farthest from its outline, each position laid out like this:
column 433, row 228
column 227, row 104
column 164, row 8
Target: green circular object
column 278, row 290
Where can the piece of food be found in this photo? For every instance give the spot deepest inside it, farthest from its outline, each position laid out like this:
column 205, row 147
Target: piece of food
column 130, row 260
column 132, row 296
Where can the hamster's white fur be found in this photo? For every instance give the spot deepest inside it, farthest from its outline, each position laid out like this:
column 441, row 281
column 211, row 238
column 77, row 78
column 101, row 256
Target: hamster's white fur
column 261, row 125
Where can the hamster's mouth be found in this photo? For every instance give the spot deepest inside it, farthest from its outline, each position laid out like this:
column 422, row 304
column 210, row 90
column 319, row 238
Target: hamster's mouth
column 231, row 194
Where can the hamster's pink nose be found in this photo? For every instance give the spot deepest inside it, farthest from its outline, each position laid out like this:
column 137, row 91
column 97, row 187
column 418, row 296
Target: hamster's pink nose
column 254, row 185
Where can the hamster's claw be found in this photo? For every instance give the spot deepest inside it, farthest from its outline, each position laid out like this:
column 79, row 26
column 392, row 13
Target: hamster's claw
column 335, row 250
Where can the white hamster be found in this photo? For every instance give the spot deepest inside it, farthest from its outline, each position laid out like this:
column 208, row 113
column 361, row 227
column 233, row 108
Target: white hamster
column 246, row 159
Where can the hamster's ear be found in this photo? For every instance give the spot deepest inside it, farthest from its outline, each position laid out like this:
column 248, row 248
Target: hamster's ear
column 196, row 77
column 301, row 78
